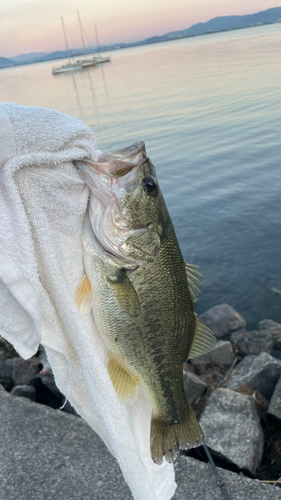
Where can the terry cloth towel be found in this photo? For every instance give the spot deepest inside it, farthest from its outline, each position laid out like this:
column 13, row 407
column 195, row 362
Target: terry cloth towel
column 42, row 204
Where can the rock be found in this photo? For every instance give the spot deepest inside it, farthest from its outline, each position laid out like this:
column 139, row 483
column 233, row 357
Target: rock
column 252, row 343
column 275, row 402
column 194, row 387
column 220, row 357
column 232, row 429
column 55, row 455
column 223, row 320
column 197, row 481
column 24, row 391
column 2, row 388
column 68, row 408
column 47, row 377
column 274, row 329
column 6, row 350
column 6, row 374
column 44, row 395
column 48, row 380
column 18, row 371
column 259, row 372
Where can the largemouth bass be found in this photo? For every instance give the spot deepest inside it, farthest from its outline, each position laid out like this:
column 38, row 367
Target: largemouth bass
column 137, row 287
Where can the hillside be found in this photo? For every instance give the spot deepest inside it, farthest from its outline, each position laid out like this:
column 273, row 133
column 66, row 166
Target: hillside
column 223, row 23
column 5, row 63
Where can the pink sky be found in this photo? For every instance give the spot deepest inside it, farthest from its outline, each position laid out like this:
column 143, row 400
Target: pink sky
column 35, row 26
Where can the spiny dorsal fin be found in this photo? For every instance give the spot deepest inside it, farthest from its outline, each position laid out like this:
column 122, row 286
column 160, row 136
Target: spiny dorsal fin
column 192, row 277
column 124, row 383
column 83, row 296
column 204, row 340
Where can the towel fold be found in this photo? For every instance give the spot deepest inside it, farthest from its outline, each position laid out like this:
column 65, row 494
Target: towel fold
column 42, row 203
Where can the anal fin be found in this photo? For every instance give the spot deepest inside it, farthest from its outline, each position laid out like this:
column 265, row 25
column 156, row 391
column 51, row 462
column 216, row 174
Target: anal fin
column 204, row 340
column 83, row 296
column 124, row 383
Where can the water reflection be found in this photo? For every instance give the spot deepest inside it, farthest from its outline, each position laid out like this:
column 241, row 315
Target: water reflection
column 77, row 94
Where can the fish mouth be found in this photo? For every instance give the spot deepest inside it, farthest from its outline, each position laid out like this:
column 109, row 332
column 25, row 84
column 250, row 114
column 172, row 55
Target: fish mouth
column 119, row 163
column 110, row 175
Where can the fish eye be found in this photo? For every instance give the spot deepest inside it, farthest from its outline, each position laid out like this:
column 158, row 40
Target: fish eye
column 150, row 185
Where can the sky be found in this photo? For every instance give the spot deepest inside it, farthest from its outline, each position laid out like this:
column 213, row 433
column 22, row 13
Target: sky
column 35, row 25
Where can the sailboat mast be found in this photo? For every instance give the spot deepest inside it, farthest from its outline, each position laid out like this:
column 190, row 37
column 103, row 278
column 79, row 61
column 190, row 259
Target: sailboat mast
column 97, row 39
column 81, row 31
column 65, row 39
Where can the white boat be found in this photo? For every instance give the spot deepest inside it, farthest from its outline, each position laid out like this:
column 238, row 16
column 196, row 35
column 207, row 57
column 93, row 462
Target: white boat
column 91, row 61
column 80, row 63
column 71, row 66
column 66, row 68
column 97, row 60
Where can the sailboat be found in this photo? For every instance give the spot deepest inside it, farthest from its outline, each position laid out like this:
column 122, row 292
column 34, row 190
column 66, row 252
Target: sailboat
column 92, row 61
column 66, row 68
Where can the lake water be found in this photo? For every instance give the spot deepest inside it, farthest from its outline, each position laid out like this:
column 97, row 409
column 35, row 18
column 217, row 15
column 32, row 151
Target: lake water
column 209, row 111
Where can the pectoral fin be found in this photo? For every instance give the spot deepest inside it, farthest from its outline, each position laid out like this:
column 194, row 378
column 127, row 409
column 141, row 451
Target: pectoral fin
column 204, row 340
column 125, row 292
column 83, row 296
column 124, row 384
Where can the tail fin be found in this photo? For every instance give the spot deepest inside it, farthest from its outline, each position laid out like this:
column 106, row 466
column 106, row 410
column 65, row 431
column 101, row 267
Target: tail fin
column 167, row 439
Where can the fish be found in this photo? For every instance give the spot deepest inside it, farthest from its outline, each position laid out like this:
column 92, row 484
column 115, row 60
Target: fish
column 141, row 293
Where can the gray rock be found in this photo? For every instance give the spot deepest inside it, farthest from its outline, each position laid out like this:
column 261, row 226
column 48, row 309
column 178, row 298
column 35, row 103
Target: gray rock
column 221, row 357
column 47, row 454
column 223, row 320
column 259, row 372
column 2, row 388
column 48, row 380
column 274, row 329
column 194, row 387
column 6, row 374
column 68, row 408
column 6, row 350
column 24, row 391
column 252, row 343
column 232, row 428
column 18, row 371
column 196, row 481
column 47, row 377
column 275, row 402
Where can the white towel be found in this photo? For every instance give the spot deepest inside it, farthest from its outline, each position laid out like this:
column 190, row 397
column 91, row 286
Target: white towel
column 42, row 204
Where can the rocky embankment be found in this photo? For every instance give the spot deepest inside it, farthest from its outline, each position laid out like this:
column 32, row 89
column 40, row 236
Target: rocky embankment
column 235, row 391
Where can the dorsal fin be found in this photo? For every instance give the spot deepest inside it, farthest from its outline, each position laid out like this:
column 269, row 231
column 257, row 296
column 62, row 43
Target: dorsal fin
column 83, row 296
column 192, row 277
column 204, row 340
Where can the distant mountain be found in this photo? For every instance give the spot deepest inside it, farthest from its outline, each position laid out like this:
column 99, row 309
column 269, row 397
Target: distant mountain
column 61, row 54
column 5, row 63
column 223, row 23
column 27, row 57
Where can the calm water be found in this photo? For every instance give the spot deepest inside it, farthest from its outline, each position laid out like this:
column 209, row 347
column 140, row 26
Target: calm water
column 209, row 110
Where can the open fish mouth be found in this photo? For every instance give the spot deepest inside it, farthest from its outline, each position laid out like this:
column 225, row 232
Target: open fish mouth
column 113, row 177
column 117, row 164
